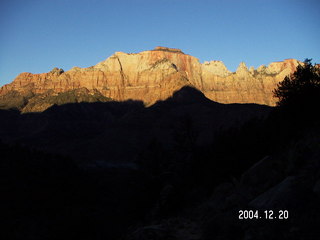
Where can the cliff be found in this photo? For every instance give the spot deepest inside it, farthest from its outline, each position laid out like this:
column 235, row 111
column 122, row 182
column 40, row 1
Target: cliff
column 154, row 75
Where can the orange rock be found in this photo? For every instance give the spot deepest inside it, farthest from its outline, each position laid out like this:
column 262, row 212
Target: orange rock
column 154, row 75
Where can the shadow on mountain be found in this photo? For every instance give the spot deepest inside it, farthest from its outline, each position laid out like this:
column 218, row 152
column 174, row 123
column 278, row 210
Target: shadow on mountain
column 179, row 169
column 101, row 131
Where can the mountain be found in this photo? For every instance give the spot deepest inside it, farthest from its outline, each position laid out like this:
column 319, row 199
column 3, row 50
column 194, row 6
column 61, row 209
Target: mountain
column 182, row 168
column 86, row 166
column 147, row 76
column 98, row 131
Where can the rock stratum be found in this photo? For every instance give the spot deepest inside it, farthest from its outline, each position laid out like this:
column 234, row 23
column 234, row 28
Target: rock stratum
column 149, row 76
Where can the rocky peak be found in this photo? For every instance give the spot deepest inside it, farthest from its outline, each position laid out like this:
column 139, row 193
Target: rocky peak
column 166, row 49
column 57, row 71
column 261, row 69
column 216, row 67
column 251, row 70
column 242, row 70
column 277, row 67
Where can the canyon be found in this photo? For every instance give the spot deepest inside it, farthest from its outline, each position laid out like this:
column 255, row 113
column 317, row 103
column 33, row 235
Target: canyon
column 148, row 76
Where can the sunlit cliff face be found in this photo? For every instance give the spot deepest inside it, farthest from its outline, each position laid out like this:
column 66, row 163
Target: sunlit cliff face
column 154, row 75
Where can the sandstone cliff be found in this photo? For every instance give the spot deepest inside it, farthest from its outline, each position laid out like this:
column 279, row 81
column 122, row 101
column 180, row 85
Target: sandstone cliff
column 154, row 75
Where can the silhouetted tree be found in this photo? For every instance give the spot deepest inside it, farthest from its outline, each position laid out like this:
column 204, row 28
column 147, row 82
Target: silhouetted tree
column 299, row 100
column 301, row 89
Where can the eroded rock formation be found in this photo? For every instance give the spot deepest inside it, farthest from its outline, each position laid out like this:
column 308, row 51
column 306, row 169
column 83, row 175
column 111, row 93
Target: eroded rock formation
column 154, row 75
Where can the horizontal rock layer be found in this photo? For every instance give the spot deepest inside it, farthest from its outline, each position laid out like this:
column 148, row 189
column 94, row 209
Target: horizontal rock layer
column 154, row 75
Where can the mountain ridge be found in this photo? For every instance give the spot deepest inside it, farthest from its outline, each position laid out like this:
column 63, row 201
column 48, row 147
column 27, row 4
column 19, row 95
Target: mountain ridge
column 154, row 75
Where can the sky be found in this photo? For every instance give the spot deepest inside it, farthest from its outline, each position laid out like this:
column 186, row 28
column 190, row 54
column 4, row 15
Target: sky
column 38, row 35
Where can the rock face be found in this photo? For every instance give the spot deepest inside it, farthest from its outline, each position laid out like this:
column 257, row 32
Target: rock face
column 216, row 68
column 154, row 75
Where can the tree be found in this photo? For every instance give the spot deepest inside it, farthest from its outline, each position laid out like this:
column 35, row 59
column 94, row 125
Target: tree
column 301, row 90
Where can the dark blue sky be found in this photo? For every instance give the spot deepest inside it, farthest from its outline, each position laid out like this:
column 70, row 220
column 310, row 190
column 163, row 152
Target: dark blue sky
column 37, row 35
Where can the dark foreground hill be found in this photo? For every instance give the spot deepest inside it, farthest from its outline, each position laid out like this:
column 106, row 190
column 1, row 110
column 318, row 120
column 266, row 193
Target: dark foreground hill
column 117, row 131
column 180, row 169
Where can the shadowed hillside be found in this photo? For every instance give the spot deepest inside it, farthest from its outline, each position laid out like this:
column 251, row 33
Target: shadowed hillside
column 98, row 131
column 179, row 169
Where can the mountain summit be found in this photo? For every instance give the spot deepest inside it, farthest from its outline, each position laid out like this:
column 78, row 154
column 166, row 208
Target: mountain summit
column 148, row 76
